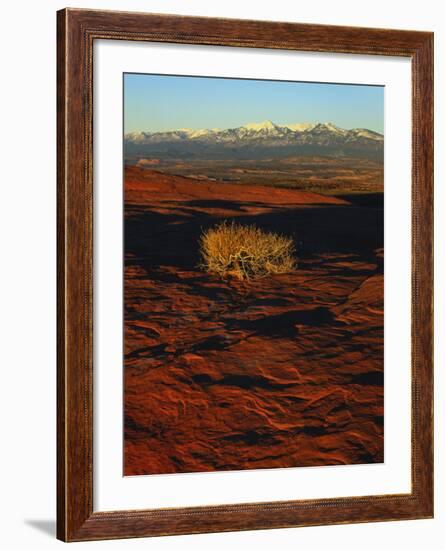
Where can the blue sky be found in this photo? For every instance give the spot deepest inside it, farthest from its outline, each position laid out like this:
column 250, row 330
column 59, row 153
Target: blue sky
column 158, row 102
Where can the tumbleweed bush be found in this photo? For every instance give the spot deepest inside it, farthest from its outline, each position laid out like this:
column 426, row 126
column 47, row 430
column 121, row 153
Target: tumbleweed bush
column 245, row 251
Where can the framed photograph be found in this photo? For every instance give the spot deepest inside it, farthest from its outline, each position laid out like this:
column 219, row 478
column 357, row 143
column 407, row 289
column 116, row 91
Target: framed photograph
column 244, row 275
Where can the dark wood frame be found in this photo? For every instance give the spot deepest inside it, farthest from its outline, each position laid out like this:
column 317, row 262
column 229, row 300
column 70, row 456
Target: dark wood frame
column 77, row 30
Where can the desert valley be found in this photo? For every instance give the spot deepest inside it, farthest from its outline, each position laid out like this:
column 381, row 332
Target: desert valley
column 280, row 371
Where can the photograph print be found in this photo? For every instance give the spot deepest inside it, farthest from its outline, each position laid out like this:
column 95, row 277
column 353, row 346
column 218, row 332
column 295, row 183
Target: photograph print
column 253, row 274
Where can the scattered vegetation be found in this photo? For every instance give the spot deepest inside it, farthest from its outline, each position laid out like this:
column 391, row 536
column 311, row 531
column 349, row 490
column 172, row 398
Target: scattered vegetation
column 245, row 251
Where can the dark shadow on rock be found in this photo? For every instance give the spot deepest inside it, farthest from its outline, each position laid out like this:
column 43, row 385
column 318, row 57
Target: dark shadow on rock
column 285, row 324
column 365, row 199
column 153, row 239
column 373, row 378
column 252, row 438
column 216, row 342
column 244, row 381
column 220, row 203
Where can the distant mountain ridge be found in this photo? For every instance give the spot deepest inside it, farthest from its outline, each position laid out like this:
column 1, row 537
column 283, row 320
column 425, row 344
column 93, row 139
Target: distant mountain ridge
column 256, row 140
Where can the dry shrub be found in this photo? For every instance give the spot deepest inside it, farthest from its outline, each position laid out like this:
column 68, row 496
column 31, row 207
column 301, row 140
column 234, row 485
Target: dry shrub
column 245, row 251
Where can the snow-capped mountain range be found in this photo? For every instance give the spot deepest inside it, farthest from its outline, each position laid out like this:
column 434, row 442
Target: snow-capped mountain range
column 256, row 139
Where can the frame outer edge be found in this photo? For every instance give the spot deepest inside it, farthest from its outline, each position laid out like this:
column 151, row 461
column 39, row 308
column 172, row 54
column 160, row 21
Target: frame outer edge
column 75, row 517
column 74, row 320
column 61, row 304
column 423, row 115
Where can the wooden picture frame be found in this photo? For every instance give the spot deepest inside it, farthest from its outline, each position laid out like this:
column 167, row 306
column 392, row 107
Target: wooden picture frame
column 77, row 31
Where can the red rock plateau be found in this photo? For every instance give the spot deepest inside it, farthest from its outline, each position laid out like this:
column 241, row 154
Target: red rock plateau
column 280, row 372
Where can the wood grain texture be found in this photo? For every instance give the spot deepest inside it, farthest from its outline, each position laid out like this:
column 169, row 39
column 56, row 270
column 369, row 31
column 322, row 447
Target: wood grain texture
column 77, row 30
